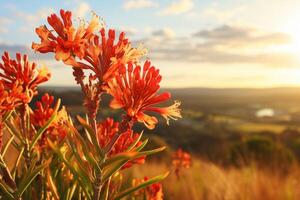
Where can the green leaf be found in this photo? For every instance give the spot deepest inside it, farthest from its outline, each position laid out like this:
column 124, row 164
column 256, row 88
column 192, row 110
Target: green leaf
column 113, row 169
column 116, row 163
column 44, row 128
column 141, row 186
column 119, row 157
column 135, row 142
column 71, row 192
column 80, row 176
column 91, row 134
column 86, row 148
column 144, row 143
column 5, row 192
column 52, row 186
column 33, row 172
column 150, row 152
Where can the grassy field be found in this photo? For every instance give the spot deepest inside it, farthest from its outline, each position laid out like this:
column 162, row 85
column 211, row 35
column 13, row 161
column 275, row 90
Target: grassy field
column 219, row 128
column 207, row 181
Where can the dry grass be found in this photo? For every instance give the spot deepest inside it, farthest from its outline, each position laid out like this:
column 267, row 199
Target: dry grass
column 207, row 181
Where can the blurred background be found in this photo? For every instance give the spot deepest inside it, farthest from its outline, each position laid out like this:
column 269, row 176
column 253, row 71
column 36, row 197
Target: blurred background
column 234, row 65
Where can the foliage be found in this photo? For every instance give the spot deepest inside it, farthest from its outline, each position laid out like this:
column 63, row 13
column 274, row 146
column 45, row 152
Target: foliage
column 59, row 157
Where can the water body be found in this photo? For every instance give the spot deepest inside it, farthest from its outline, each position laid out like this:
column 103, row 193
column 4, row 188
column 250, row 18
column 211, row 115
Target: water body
column 265, row 112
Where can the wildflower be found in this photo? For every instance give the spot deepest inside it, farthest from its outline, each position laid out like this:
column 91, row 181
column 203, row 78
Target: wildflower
column 43, row 112
column 107, row 55
column 92, row 97
column 108, row 129
column 67, row 40
column 24, row 73
column 136, row 91
column 101, row 53
column 181, row 159
column 151, row 192
column 9, row 99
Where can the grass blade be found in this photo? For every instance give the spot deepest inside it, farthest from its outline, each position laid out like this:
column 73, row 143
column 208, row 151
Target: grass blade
column 141, row 186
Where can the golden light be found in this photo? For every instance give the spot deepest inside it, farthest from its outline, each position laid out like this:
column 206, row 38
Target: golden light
column 294, row 31
column 295, row 46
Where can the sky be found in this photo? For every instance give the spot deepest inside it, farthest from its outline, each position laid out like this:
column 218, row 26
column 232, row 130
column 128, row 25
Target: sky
column 195, row 43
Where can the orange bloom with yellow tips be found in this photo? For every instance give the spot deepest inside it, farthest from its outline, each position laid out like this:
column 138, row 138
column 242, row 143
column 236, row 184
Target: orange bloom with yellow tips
column 24, row 73
column 101, row 53
column 135, row 89
column 43, row 112
column 9, row 98
column 105, row 55
column 108, row 129
column 65, row 40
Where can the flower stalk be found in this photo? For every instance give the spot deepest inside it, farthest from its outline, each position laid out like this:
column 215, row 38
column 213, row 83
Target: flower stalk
column 55, row 160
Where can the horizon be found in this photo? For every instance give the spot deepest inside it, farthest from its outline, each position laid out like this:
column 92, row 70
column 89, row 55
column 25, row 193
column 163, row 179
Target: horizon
column 194, row 44
column 196, row 87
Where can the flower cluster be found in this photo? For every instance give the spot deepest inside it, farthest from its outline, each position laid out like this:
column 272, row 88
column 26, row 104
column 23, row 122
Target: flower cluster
column 67, row 40
column 101, row 53
column 152, row 192
column 108, row 129
column 181, row 160
column 115, row 69
column 62, row 160
column 42, row 114
column 18, row 83
column 135, row 89
column 9, row 98
column 21, row 72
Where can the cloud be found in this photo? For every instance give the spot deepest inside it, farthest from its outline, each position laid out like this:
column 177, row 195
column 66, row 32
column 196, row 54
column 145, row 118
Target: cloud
column 13, row 49
column 30, row 20
column 4, row 22
column 129, row 31
column 165, row 33
column 224, row 45
column 224, row 32
column 223, row 15
column 237, row 36
column 178, row 7
column 221, row 45
column 82, row 9
column 138, row 4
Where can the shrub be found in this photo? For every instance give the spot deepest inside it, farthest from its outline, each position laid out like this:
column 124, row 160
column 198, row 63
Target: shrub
column 57, row 159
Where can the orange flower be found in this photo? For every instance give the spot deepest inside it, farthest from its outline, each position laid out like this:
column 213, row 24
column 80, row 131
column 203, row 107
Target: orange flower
column 135, row 90
column 9, row 99
column 105, row 55
column 108, row 129
column 24, row 73
column 68, row 40
column 151, row 192
column 181, row 159
column 44, row 111
column 100, row 53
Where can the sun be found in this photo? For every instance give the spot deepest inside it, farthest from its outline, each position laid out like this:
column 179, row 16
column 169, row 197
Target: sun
column 294, row 32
